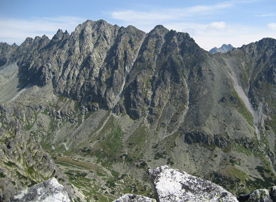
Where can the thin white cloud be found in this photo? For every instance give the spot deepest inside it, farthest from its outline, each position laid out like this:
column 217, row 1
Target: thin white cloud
column 214, row 34
column 266, row 15
column 16, row 31
column 189, row 19
column 169, row 13
column 237, row 35
column 204, row 9
column 146, row 20
column 131, row 15
column 195, row 29
column 272, row 26
column 217, row 25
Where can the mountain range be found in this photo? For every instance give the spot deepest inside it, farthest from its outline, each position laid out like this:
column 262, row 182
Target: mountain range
column 105, row 103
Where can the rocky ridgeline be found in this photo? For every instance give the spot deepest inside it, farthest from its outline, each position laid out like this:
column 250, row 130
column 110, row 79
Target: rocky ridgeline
column 169, row 184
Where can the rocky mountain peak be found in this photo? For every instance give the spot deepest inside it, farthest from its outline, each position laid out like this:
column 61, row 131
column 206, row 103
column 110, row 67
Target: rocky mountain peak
column 59, row 35
column 99, row 25
column 267, row 42
column 259, row 48
column 101, row 22
column 223, row 49
column 159, row 30
column 27, row 41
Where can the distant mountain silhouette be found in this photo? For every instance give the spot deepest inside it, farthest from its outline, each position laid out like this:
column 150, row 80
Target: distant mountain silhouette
column 223, row 49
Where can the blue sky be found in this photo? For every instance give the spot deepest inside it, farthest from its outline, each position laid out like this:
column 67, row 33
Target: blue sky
column 210, row 23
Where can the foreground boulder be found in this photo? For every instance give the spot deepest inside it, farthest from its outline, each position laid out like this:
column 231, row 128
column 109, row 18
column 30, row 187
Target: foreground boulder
column 260, row 195
column 176, row 185
column 49, row 190
column 134, row 198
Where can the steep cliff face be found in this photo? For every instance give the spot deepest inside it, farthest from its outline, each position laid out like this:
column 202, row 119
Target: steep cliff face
column 159, row 78
column 90, row 65
column 113, row 101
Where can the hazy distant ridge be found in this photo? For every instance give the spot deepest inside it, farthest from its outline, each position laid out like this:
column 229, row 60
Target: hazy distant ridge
column 223, row 49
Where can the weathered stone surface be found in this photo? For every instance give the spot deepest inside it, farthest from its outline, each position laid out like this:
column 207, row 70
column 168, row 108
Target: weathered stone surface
column 48, row 191
column 260, row 195
column 175, row 185
column 134, row 198
column 273, row 193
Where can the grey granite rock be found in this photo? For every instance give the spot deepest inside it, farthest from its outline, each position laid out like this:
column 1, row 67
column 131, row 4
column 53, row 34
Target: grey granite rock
column 176, row 185
column 134, row 198
column 49, row 190
column 260, row 195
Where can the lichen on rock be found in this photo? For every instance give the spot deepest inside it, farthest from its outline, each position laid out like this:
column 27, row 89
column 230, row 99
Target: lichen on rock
column 176, row 185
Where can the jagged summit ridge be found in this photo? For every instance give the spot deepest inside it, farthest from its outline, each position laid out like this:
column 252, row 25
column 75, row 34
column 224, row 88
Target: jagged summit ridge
column 92, row 45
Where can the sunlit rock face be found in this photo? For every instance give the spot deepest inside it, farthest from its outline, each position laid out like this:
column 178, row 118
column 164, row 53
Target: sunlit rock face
column 175, row 185
column 48, row 191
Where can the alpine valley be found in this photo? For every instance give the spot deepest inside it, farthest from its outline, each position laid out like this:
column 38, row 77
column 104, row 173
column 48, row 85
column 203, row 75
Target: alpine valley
column 100, row 106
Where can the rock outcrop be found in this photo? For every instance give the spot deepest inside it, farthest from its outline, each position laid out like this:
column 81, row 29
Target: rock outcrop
column 176, row 185
column 134, row 198
column 260, row 195
column 50, row 191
